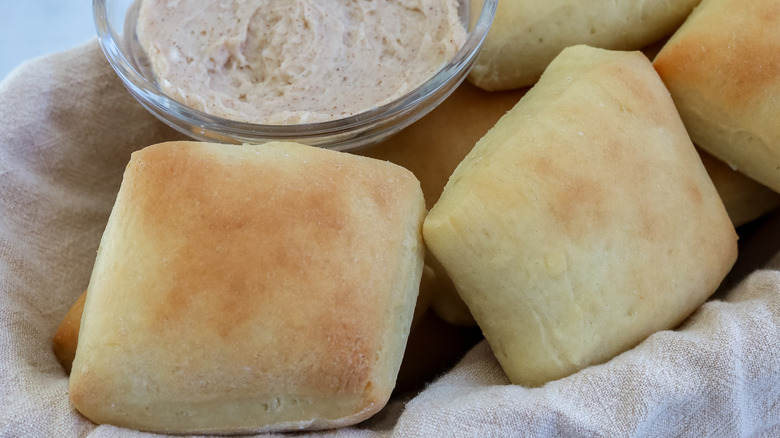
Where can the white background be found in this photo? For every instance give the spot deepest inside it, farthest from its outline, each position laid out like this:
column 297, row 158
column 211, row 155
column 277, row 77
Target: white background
column 31, row 28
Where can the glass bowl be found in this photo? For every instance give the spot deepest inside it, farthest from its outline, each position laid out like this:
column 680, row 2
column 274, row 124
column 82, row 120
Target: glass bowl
column 115, row 22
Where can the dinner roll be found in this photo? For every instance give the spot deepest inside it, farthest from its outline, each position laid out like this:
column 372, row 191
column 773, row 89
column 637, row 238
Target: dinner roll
column 722, row 68
column 527, row 34
column 66, row 337
column 582, row 222
column 249, row 288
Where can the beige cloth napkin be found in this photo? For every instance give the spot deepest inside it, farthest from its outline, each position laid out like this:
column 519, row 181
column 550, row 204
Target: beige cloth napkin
column 67, row 129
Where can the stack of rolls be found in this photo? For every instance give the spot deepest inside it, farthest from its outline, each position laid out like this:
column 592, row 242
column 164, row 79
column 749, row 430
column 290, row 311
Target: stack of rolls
column 569, row 200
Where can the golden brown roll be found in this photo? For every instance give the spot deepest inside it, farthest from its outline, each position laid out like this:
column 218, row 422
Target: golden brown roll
column 249, row 288
column 66, row 338
column 527, row 34
column 583, row 221
column 722, row 68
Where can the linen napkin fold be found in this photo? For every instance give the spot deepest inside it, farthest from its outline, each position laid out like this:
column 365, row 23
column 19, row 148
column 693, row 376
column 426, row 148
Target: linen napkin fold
column 68, row 128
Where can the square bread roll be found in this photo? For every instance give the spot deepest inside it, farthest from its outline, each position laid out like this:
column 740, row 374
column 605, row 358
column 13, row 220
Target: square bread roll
column 249, row 288
column 583, row 221
column 527, row 34
column 722, row 68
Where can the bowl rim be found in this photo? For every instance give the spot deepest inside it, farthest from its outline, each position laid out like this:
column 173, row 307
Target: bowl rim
column 157, row 102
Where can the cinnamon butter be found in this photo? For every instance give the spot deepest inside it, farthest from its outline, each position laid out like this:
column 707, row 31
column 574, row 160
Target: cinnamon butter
column 295, row 61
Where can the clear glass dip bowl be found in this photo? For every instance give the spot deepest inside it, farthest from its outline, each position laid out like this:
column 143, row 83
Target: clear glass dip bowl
column 115, row 21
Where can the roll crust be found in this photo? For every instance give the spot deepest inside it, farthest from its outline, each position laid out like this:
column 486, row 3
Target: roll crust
column 745, row 200
column 249, row 288
column 583, row 221
column 527, row 34
column 65, row 340
column 722, row 68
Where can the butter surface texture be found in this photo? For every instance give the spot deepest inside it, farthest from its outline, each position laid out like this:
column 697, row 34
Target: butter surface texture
column 295, row 61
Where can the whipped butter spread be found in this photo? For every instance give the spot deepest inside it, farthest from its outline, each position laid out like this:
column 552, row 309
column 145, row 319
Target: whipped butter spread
column 295, row 61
